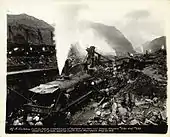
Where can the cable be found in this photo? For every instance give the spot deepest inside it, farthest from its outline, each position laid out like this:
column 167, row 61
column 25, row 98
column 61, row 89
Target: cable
column 19, row 94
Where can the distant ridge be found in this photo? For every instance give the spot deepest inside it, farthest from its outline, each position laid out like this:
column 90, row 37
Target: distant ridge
column 23, row 29
column 114, row 38
column 27, row 20
column 155, row 44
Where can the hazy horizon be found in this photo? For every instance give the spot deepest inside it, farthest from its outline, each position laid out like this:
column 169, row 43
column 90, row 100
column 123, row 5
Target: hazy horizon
column 144, row 20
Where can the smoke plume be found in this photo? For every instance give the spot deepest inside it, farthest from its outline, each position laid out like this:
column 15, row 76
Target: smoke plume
column 70, row 29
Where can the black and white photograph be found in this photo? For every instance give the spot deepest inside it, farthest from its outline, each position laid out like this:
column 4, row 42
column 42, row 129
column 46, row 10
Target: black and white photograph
column 86, row 67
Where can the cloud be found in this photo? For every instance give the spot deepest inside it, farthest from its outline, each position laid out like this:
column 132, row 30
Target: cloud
column 139, row 21
column 138, row 14
column 140, row 26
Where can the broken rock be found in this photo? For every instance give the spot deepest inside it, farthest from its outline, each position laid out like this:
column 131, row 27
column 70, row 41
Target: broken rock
column 31, row 123
column 105, row 114
column 155, row 100
column 29, row 118
column 105, row 105
column 122, row 111
column 134, row 122
column 149, row 100
column 36, row 118
column 104, row 123
column 16, row 122
column 39, row 123
column 98, row 113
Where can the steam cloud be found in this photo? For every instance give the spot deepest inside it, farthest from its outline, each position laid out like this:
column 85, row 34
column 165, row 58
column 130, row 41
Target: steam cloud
column 70, row 29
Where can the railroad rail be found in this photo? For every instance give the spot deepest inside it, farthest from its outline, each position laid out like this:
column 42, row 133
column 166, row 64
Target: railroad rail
column 28, row 71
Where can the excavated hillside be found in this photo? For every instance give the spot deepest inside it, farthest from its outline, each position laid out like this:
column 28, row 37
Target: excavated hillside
column 30, row 43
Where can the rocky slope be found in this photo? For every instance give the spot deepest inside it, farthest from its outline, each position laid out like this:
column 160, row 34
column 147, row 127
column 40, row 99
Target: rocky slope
column 114, row 38
column 23, row 28
column 30, row 43
column 155, row 44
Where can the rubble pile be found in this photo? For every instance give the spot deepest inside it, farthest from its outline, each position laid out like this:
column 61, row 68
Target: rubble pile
column 19, row 118
column 141, row 99
column 144, row 85
column 161, row 63
column 120, row 110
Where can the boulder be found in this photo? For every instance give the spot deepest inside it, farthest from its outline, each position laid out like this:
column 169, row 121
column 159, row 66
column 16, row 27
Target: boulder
column 134, row 122
column 36, row 118
column 98, row 113
column 122, row 111
column 39, row 123
column 16, row 122
column 31, row 123
column 29, row 118
column 105, row 105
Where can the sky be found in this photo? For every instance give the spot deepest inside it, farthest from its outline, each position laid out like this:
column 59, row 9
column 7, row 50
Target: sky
column 139, row 21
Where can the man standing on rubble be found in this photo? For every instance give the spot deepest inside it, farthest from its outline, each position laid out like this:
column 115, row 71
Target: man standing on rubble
column 91, row 56
column 129, row 99
column 66, row 68
column 91, row 60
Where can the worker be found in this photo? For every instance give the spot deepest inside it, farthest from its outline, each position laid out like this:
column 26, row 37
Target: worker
column 130, row 98
column 67, row 66
column 40, row 36
column 91, row 56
